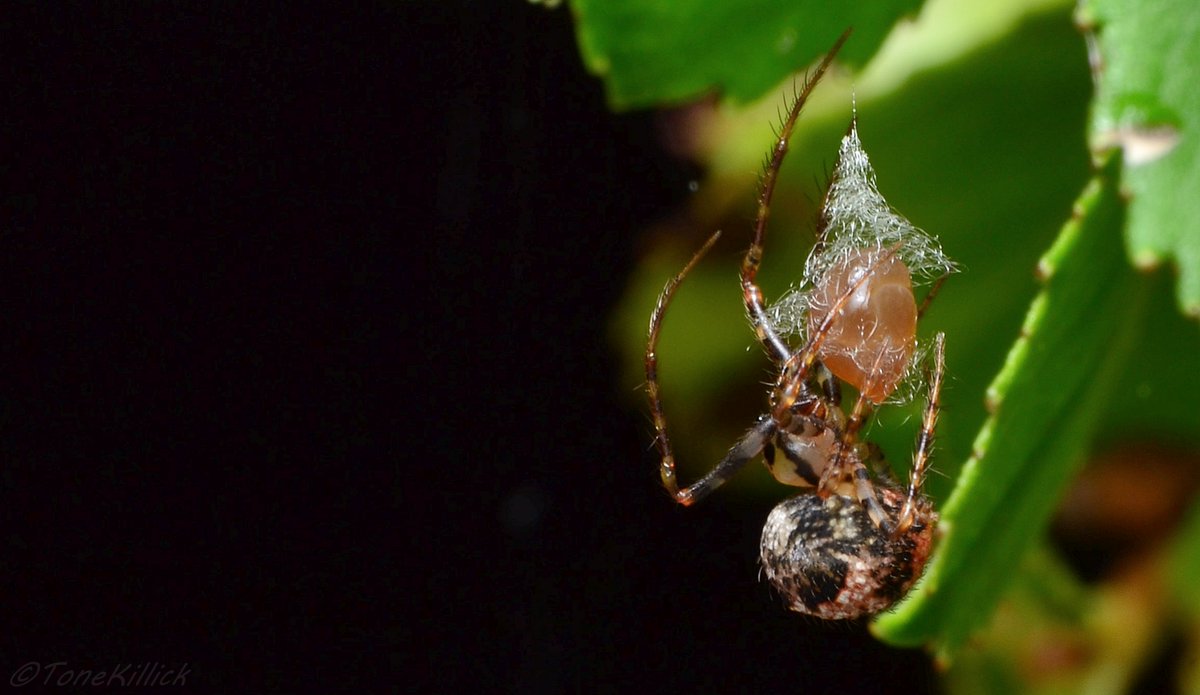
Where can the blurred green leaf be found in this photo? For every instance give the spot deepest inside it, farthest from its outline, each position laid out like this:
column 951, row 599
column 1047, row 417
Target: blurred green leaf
column 1184, row 564
column 1147, row 102
column 1183, row 577
column 651, row 52
column 1044, row 615
column 1157, row 400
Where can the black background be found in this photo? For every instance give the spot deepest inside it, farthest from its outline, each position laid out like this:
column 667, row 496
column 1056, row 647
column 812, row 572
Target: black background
column 306, row 372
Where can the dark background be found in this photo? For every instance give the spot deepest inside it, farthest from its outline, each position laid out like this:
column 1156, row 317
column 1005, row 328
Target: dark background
column 306, row 372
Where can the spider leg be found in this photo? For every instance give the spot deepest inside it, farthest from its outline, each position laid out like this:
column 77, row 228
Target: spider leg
column 929, row 296
column 864, row 489
column 750, row 445
column 879, row 466
column 831, row 388
column 661, row 440
column 776, row 348
column 916, row 477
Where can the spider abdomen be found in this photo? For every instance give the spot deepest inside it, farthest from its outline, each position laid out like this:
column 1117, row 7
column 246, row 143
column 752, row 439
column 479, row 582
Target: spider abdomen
column 829, row 560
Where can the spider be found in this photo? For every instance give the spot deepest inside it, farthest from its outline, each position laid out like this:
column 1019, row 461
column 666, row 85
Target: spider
column 852, row 544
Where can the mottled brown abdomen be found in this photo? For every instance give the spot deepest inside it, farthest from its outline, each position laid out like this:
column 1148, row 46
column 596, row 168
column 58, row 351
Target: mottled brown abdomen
column 829, row 560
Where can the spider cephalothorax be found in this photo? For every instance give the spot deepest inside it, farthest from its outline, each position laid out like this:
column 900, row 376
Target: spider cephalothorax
column 854, row 543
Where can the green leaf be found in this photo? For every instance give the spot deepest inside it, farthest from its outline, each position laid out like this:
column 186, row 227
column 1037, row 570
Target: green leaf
column 655, row 51
column 1147, row 102
column 1045, row 404
column 1183, row 572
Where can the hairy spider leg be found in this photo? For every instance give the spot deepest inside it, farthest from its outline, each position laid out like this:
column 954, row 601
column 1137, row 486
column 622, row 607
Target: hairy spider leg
column 879, row 466
column 830, row 387
column 864, row 490
column 916, row 476
column 744, row 451
column 752, row 295
column 931, row 294
column 749, row 446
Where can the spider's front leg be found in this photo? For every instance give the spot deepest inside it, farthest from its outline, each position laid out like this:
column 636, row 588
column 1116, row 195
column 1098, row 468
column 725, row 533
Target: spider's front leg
column 749, row 446
column 661, row 440
column 752, row 295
